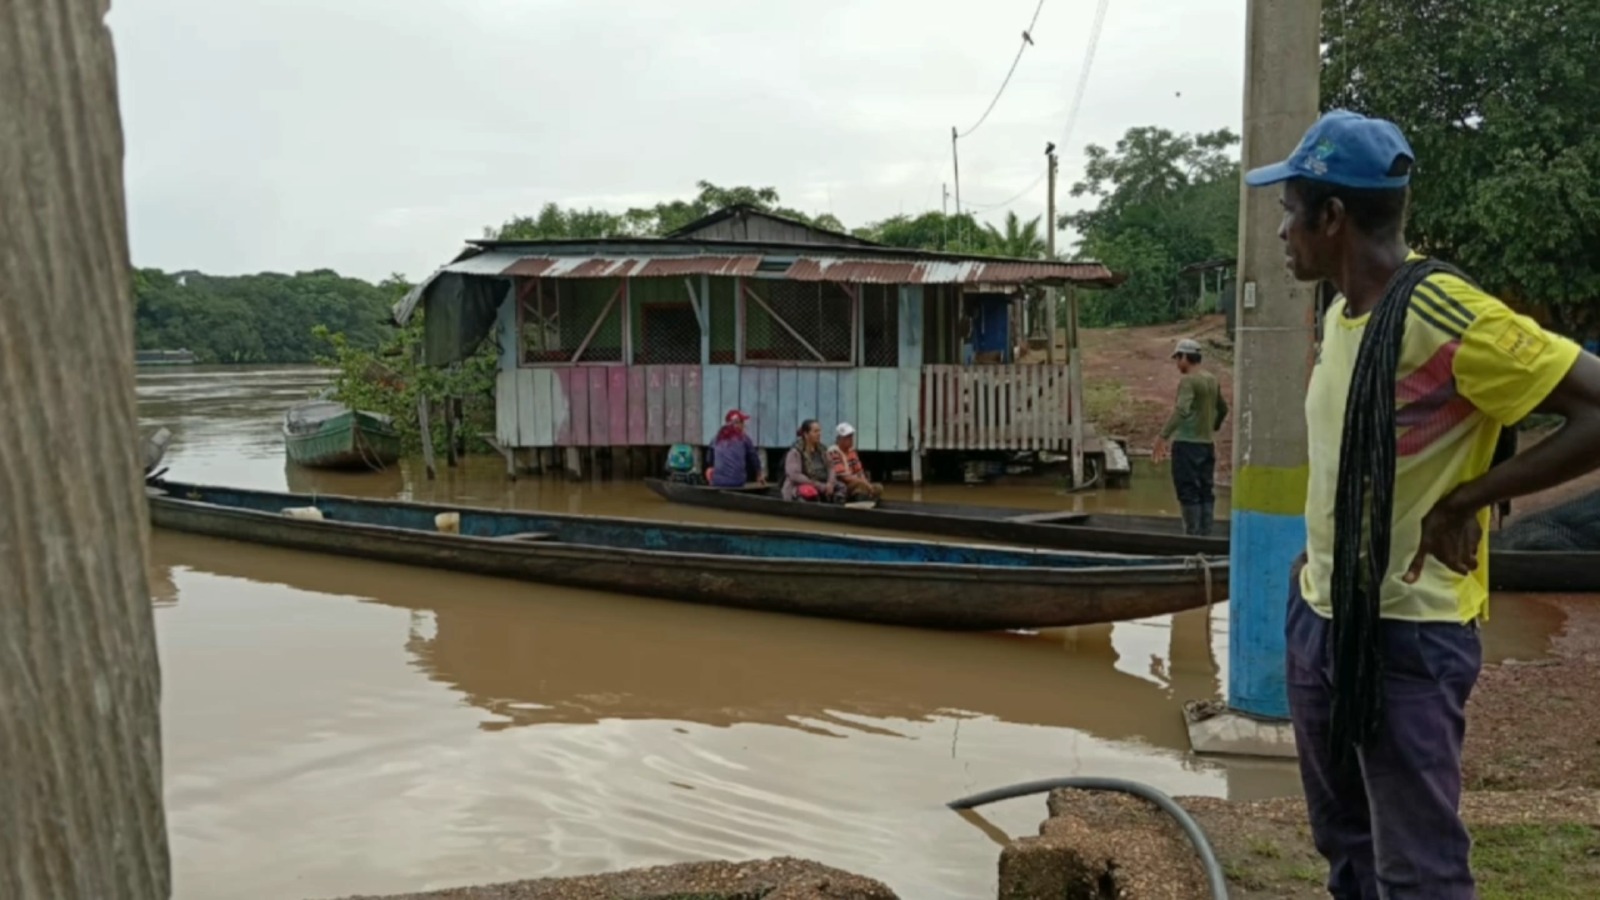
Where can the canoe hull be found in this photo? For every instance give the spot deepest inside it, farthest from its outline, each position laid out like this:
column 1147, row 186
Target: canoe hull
column 940, row 595
column 1095, row 533
column 351, row 440
column 1509, row 570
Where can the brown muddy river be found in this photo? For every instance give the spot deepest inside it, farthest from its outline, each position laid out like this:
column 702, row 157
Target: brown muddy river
column 334, row 726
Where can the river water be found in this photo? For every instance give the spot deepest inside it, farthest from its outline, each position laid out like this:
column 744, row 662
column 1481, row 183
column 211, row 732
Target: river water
column 335, row 726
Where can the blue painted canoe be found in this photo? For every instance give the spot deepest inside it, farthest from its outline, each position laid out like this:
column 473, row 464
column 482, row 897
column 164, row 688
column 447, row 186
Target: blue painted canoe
column 900, row 582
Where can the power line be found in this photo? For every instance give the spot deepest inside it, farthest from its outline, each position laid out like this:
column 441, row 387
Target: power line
column 1072, row 111
column 1083, row 74
column 1027, row 40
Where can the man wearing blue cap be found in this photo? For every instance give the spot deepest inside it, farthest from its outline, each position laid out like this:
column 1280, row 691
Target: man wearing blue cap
column 1418, row 372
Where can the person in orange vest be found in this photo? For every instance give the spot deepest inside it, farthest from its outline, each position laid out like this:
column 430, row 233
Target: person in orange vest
column 847, row 465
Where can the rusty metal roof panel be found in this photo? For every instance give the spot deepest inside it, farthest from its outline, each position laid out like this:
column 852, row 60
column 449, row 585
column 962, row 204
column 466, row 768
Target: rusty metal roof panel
column 630, row 266
column 866, row 271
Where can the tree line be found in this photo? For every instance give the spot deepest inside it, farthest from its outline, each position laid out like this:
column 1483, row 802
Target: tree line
column 265, row 318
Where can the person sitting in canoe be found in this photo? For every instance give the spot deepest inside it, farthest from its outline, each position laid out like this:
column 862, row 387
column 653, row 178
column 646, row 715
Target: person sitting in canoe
column 735, row 461
column 847, row 466
column 806, row 472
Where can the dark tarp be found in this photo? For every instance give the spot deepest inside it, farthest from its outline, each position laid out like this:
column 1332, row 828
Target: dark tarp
column 459, row 311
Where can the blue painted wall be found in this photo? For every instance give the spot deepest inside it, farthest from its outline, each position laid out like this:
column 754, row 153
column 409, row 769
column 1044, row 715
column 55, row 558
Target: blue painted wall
column 1264, row 546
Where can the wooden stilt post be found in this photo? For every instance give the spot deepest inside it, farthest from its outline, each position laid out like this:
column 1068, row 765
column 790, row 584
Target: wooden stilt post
column 574, row 463
column 450, row 431
column 426, row 425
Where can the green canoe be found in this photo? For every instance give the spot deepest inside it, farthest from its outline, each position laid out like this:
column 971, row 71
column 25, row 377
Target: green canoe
column 329, row 435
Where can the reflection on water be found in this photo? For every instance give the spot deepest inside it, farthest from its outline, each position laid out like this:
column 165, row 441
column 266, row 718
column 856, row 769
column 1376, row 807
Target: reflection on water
column 335, row 726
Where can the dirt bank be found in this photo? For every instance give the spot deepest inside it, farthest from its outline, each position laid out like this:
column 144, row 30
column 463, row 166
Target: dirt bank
column 1532, row 767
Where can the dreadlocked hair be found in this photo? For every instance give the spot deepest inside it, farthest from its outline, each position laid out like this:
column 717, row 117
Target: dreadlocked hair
column 1364, row 505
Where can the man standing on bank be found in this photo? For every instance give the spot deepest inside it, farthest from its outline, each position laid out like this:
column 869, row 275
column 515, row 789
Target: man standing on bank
column 1192, row 429
column 1418, row 372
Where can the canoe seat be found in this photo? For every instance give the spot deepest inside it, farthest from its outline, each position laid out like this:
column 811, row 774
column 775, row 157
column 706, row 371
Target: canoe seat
column 1048, row 517
column 528, row 536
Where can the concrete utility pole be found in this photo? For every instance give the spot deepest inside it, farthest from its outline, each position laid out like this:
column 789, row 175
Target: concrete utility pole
column 80, row 730
column 1273, row 353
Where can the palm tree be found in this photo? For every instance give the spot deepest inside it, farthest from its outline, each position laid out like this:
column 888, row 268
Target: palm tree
column 1019, row 240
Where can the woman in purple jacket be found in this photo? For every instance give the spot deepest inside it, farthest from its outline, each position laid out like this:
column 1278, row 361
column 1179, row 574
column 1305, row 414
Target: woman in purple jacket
column 734, row 459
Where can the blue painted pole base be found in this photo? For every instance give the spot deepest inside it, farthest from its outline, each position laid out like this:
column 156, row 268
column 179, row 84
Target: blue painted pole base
column 1264, row 547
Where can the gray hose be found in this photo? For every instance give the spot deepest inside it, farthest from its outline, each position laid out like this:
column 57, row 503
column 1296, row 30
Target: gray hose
column 1208, row 858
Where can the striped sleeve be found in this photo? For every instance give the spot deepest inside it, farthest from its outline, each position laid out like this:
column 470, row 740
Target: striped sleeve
column 1506, row 364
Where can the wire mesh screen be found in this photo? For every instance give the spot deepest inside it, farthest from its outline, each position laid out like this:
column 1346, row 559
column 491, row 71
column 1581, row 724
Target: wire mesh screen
column 880, row 325
column 795, row 321
column 572, row 321
column 666, row 328
column 1572, row 526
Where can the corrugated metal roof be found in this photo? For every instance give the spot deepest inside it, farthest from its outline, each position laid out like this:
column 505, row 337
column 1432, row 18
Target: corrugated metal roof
column 872, row 266
column 630, row 266
column 866, row 271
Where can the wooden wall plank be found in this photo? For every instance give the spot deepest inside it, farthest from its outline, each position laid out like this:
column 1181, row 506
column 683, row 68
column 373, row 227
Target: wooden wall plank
column 910, row 419
column 827, row 398
column 599, row 406
column 730, row 395
column 749, row 394
column 775, row 432
column 693, row 395
column 847, row 408
column 655, row 405
column 891, row 433
column 575, row 383
column 617, row 401
column 867, row 409
column 505, row 408
column 711, row 408
column 672, row 432
column 537, row 416
column 789, row 398
column 806, row 400
column 638, row 414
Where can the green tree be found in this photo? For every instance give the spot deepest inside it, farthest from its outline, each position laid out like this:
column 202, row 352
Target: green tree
column 265, row 318
column 1498, row 99
column 932, row 230
column 1019, row 240
column 555, row 223
column 1162, row 201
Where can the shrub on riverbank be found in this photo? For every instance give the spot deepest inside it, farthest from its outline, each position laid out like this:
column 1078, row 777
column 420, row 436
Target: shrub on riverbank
column 391, row 380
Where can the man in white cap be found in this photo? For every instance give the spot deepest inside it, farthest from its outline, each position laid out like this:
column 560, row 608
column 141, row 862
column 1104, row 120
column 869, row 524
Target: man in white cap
column 1192, row 429
column 847, row 465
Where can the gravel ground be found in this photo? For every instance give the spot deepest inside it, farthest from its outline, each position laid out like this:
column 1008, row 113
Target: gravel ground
column 782, row 878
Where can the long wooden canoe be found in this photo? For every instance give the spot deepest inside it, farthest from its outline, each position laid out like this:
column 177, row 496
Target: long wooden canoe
column 1509, row 570
column 898, row 582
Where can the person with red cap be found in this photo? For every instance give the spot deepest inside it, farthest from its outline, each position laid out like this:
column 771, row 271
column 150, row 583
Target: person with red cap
column 735, row 461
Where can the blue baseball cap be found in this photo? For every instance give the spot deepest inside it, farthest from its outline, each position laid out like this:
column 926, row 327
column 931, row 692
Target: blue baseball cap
column 1343, row 148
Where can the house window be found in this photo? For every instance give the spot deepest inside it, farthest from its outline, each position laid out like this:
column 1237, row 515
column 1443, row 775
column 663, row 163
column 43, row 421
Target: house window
column 572, row 321
column 798, row 323
column 880, row 325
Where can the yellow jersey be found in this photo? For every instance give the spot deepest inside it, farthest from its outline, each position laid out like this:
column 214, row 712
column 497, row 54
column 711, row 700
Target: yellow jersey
column 1469, row 366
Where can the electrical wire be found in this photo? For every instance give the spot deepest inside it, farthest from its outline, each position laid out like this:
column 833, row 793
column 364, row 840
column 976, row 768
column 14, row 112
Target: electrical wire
column 1027, row 39
column 1216, row 880
column 1072, row 111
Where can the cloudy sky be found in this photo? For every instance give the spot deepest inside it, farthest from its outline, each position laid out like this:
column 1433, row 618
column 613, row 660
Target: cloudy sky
column 373, row 136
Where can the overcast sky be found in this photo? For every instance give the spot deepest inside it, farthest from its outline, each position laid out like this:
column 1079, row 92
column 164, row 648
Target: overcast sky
column 373, row 136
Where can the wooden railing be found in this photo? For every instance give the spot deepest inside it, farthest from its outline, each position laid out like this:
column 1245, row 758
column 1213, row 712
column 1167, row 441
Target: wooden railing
column 1023, row 407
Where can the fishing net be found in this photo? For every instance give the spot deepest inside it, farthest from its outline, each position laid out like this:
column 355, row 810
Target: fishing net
column 1572, row 526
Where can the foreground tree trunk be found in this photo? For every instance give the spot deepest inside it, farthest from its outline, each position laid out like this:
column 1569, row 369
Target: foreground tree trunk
column 80, row 743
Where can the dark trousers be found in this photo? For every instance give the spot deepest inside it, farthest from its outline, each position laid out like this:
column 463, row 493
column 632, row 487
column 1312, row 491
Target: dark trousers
column 1389, row 824
column 1194, row 468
